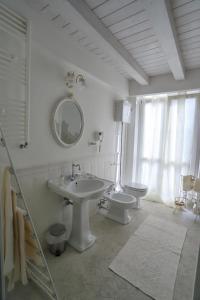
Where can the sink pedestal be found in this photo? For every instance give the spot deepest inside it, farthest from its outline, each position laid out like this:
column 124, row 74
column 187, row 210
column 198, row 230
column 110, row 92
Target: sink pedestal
column 81, row 237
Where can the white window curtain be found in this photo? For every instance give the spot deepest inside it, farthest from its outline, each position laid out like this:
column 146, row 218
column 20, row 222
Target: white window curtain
column 167, row 144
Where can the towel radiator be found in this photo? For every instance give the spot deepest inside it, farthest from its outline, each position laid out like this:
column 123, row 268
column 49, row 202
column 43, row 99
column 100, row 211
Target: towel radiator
column 40, row 276
column 15, row 59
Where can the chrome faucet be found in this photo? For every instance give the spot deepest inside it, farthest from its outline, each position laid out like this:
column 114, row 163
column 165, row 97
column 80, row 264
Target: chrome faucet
column 74, row 174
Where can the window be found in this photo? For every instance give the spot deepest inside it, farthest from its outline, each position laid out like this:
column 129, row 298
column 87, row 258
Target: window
column 167, row 135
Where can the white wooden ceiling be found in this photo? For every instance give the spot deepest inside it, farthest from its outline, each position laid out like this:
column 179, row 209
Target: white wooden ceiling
column 128, row 22
column 186, row 14
column 134, row 29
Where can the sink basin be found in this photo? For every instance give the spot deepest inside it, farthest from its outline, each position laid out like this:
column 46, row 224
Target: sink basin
column 86, row 186
column 82, row 190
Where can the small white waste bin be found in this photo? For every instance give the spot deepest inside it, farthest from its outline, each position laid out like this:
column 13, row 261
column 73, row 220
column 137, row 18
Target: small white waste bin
column 56, row 239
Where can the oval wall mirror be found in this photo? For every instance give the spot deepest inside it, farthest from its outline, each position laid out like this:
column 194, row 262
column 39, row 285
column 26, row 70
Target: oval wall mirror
column 68, row 122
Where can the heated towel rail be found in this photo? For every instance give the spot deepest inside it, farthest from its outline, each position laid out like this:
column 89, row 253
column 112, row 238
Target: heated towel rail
column 41, row 276
column 15, row 59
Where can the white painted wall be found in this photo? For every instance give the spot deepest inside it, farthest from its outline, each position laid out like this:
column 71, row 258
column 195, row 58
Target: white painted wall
column 47, row 88
column 166, row 83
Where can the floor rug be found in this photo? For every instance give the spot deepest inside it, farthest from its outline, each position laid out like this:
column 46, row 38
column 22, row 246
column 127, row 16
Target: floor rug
column 150, row 258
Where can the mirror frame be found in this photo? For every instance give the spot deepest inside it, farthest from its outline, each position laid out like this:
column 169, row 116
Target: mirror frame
column 55, row 134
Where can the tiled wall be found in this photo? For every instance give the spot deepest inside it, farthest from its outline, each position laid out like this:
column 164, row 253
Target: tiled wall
column 45, row 206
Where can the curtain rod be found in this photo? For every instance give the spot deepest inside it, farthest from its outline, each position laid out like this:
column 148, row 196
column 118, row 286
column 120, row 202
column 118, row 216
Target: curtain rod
column 178, row 93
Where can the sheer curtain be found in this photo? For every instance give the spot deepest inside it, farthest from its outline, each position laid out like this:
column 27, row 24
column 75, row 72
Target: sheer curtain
column 166, row 144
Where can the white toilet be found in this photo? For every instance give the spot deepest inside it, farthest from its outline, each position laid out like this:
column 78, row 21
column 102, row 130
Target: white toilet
column 137, row 190
column 119, row 205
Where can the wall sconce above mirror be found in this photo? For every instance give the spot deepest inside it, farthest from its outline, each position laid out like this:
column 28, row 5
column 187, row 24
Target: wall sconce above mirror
column 72, row 79
column 68, row 122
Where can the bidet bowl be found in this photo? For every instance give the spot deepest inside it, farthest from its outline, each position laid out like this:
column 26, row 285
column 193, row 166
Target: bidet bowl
column 122, row 198
column 119, row 206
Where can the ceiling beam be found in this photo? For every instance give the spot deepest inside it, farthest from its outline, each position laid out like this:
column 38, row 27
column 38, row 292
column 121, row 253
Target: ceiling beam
column 160, row 15
column 84, row 18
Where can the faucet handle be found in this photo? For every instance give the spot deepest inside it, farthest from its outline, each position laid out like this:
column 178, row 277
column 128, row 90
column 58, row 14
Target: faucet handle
column 111, row 188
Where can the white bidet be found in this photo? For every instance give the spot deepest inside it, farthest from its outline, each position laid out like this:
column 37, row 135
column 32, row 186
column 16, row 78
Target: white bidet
column 119, row 205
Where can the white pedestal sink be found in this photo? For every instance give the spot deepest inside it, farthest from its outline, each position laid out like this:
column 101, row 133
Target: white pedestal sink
column 81, row 191
column 81, row 237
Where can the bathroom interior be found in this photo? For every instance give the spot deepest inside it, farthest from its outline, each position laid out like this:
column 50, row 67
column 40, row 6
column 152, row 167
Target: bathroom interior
column 99, row 149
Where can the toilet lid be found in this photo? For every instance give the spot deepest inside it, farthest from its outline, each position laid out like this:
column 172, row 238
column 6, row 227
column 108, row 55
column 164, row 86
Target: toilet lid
column 137, row 186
